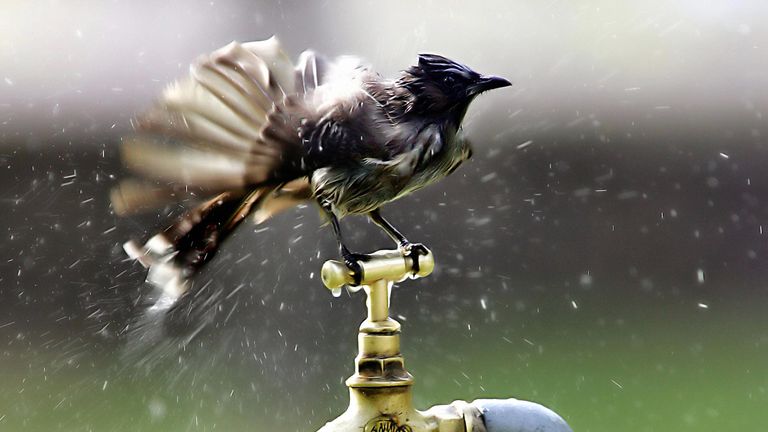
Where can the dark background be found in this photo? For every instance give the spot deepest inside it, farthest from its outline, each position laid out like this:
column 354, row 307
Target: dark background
column 603, row 252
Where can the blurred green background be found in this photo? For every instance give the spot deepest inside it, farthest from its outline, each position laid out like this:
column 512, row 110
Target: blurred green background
column 602, row 254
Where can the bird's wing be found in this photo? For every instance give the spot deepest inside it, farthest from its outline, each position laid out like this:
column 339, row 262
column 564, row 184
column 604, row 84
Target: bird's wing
column 231, row 124
column 413, row 152
column 429, row 142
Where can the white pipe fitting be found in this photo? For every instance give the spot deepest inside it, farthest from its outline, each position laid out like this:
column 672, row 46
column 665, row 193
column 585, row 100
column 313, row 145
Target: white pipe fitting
column 512, row 415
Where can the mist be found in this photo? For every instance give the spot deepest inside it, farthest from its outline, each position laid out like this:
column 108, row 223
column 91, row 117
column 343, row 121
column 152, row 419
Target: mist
column 603, row 253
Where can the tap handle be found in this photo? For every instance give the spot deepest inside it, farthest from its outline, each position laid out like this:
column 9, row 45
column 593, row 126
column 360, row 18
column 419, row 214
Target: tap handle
column 388, row 265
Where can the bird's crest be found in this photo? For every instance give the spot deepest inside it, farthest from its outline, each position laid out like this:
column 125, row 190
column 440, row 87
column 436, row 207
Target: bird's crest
column 433, row 64
column 436, row 83
column 436, row 68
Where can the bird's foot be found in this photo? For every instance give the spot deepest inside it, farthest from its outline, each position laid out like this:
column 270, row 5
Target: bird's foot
column 413, row 251
column 352, row 261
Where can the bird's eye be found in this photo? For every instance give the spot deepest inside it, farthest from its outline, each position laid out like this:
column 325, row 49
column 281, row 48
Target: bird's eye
column 448, row 80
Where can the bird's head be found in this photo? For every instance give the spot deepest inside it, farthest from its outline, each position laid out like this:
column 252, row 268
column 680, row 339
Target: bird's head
column 442, row 86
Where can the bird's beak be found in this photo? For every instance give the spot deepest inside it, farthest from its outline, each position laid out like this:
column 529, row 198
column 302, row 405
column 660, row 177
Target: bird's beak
column 488, row 82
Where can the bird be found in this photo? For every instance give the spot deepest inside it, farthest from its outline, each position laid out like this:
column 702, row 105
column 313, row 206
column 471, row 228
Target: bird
column 251, row 134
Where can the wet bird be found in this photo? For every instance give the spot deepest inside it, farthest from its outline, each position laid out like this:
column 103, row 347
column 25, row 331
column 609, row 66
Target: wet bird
column 257, row 135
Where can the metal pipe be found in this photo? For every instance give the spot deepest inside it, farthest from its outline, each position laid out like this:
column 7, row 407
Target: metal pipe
column 378, row 300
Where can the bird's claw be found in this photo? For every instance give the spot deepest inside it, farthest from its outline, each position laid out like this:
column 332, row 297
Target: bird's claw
column 352, row 261
column 414, row 251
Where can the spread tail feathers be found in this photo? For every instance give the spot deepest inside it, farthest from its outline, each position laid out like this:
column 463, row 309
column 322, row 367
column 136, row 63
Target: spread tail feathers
column 230, row 130
column 175, row 255
column 233, row 124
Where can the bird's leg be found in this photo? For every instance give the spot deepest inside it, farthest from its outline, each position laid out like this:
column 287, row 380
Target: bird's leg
column 351, row 260
column 412, row 250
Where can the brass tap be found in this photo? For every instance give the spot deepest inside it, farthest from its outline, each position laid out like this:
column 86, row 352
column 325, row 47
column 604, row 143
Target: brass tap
column 380, row 389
